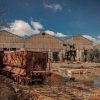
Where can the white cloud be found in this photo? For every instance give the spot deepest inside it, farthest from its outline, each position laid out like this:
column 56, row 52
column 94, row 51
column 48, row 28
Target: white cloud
column 98, row 36
column 22, row 28
column 55, row 34
column 50, row 32
column 54, row 7
column 36, row 25
column 89, row 37
column 60, row 35
column 96, row 41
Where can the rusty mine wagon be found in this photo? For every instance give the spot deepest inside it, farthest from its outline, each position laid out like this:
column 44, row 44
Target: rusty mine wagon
column 24, row 67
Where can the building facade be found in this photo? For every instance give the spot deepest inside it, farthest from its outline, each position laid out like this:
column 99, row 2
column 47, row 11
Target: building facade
column 39, row 43
column 9, row 41
column 43, row 42
column 81, row 44
column 46, row 43
column 97, row 46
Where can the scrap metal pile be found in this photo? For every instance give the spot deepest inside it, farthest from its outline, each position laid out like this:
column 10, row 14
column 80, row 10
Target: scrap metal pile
column 24, row 66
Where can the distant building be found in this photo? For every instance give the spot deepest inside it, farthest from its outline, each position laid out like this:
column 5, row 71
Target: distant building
column 97, row 46
column 47, row 43
column 40, row 43
column 81, row 44
column 43, row 42
column 9, row 41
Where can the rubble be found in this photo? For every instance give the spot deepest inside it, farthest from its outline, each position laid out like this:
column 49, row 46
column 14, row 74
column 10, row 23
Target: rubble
column 55, row 88
column 58, row 87
column 7, row 92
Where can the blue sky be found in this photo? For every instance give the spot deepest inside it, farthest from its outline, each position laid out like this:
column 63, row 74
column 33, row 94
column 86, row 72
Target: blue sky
column 57, row 17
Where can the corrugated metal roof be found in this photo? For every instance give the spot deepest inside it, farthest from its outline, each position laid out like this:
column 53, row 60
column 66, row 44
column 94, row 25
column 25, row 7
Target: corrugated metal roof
column 44, row 41
column 8, row 39
column 80, row 42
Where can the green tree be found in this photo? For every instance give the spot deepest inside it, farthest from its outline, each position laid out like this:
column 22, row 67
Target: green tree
column 93, row 55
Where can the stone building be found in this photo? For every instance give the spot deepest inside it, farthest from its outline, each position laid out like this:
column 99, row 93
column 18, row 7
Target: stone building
column 81, row 44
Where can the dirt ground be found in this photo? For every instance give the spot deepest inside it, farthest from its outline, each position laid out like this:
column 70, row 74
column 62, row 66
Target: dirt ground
column 56, row 87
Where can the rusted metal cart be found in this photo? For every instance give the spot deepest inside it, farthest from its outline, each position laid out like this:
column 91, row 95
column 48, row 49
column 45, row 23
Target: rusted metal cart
column 25, row 67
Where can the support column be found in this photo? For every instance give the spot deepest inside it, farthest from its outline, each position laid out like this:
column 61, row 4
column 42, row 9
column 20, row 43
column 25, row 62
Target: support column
column 62, row 55
column 50, row 55
column 78, row 55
